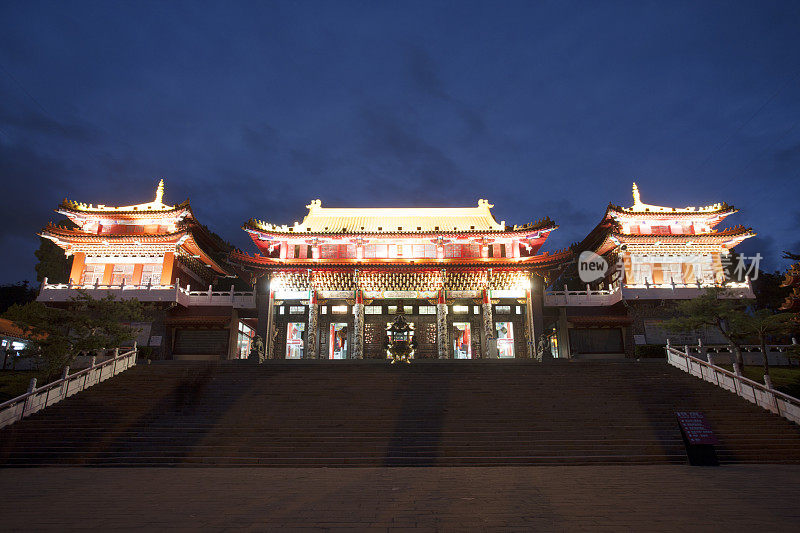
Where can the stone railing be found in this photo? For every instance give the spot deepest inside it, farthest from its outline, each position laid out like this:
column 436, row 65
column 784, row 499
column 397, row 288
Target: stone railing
column 37, row 399
column 644, row 291
column 237, row 299
column 588, row 297
column 64, row 292
column 752, row 391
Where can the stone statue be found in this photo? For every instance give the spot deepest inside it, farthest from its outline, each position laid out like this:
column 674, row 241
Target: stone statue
column 257, row 350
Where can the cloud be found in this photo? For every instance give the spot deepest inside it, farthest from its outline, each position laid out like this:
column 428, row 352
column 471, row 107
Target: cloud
column 36, row 123
column 409, row 162
column 262, row 137
column 788, row 154
column 424, row 74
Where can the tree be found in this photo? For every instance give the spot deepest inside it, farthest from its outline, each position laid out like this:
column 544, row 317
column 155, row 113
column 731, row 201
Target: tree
column 53, row 263
column 770, row 294
column 86, row 325
column 17, row 293
column 764, row 323
column 715, row 308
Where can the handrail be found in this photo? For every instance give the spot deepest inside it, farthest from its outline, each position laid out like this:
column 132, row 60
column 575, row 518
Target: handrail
column 791, row 407
column 10, row 410
column 53, row 384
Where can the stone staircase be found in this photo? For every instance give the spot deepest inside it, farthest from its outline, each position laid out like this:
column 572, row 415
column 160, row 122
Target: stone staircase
column 352, row 413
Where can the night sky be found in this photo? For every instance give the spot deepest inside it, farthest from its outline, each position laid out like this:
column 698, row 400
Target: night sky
column 544, row 108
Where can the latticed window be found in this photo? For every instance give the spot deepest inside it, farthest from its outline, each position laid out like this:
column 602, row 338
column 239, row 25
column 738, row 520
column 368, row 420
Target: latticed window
column 122, row 275
column 151, row 274
column 376, row 251
column 424, row 250
column 452, row 250
column 660, row 230
column 93, row 273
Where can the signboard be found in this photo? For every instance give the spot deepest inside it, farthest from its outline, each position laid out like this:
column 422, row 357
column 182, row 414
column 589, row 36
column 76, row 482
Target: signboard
column 155, row 340
column 336, row 294
column 283, row 294
column 463, row 294
column 400, row 294
column 696, row 428
column 508, row 293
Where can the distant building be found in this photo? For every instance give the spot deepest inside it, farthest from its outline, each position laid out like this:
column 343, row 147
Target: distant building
column 327, row 287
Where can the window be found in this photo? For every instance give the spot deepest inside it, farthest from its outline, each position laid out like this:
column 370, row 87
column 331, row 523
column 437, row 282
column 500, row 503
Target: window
column 372, row 310
column 660, row 230
column 392, row 309
column 338, row 309
column 323, row 309
column 151, row 274
column 93, row 273
column 281, row 310
column 379, row 251
column 519, row 309
column 427, row 309
column 296, row 309
column 476, row 309
column 460, row 309
column 502, row 309
column 452, row 250
column 423, row 250
column 122, row 275
column 408, row 309
column 337, row 251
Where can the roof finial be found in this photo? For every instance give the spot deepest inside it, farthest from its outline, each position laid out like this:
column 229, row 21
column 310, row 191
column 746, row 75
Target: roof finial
column 636, row 198
column 160, row 192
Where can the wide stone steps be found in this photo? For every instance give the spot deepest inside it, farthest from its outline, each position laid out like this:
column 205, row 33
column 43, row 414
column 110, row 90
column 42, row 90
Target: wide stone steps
column 462, row 413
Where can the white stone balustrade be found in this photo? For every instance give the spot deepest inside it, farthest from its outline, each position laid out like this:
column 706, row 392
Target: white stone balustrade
column 37, row 399
column 64, row 292
column 752, row 391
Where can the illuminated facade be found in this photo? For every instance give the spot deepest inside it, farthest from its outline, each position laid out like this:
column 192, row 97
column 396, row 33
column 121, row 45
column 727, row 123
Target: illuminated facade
column 156, row 253
column 328, row 287
column 336, row 279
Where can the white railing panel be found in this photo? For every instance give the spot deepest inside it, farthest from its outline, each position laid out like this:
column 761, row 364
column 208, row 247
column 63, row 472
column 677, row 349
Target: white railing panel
column 752, row 391
column 52, row 393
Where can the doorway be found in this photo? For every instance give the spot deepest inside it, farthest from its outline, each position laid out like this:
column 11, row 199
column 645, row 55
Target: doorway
column 337, row 341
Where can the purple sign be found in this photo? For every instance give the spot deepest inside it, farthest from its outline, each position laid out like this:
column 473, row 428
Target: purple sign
column 696, row 428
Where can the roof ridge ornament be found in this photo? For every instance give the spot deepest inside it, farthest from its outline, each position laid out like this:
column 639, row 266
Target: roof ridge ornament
column 160, row 193
column 637, row 199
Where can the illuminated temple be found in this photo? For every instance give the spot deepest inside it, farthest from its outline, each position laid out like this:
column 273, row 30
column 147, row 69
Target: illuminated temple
column 328, row 287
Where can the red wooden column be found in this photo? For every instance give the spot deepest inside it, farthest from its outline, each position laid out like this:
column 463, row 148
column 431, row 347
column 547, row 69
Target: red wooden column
column 137, row 274
column 78, row 264
column 108, row 274
column 167, row 267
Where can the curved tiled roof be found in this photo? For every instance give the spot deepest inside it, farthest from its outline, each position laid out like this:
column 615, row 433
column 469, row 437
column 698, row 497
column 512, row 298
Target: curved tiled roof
column 395, row 220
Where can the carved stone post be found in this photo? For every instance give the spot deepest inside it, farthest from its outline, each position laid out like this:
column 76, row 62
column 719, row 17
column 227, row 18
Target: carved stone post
column 311, row 331
column 358, row 326
column 269, row 331
column 442, row 341
column 488, row 330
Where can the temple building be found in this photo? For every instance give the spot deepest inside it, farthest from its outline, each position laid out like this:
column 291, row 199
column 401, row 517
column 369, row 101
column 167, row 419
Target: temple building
column 155, row 253
column 329, row 286
column 336, row 278
column 657, row 255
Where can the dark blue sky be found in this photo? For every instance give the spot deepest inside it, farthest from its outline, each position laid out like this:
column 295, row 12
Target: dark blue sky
column 544, row 108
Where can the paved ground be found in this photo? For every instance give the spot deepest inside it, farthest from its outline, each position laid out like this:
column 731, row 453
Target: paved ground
column 597, row 498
